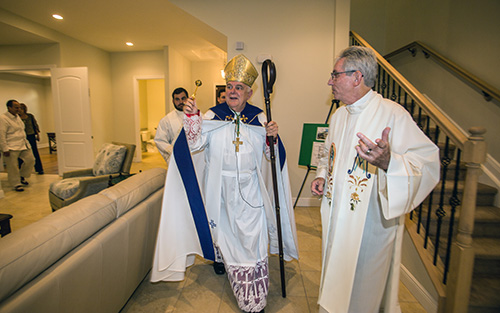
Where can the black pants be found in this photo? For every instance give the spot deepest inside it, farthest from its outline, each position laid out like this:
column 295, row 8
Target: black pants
column 34, row 149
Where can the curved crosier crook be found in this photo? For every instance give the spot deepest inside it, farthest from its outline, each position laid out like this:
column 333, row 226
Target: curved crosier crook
column 268, row 66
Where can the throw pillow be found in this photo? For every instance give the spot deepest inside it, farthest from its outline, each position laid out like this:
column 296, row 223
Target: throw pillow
column 109, row 159
column 65, row 188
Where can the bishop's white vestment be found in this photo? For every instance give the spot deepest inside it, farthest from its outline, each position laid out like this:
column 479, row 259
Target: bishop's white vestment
column 363, row 207
column 237, row 204
column 166, row 132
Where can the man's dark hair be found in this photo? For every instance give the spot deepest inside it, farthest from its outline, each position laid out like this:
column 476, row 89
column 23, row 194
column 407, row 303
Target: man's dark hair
column 11, row 102
column 178, row 91
column 219, row 91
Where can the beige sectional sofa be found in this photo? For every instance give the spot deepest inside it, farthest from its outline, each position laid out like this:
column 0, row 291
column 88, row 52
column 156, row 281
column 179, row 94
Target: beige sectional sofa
column 87, row 257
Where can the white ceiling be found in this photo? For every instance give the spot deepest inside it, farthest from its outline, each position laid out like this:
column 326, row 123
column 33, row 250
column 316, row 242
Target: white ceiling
column 108, row 24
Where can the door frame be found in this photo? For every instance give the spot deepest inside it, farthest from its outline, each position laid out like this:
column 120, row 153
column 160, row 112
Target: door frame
column 137, row 122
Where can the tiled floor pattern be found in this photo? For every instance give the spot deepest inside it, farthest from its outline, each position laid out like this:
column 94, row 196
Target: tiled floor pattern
column 202, row 290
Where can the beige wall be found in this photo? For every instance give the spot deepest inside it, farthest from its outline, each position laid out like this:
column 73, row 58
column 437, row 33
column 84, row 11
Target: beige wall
column 179, row 75
column 209, row 73
column 466, row 32
column 156, row 102
column 127, row 69
column 41, row 54
column 300, row 37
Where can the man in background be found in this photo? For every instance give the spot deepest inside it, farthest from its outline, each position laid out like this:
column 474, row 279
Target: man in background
column 221, row 95
column 14, row 145
column 171, row 124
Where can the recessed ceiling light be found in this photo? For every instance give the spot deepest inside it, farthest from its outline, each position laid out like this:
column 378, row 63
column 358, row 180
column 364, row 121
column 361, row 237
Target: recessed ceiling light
column 130, row 44
column 57, row 16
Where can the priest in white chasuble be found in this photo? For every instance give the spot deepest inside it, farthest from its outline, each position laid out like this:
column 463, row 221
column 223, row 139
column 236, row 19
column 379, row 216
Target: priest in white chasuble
column 377, row 166
column 235, row 195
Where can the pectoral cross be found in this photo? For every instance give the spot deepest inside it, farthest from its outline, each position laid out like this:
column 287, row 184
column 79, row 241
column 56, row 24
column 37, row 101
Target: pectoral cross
column 237, row 144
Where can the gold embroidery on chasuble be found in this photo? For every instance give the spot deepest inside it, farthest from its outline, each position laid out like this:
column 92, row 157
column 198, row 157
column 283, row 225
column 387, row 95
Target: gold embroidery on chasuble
column 331, row 164
column 358, row 180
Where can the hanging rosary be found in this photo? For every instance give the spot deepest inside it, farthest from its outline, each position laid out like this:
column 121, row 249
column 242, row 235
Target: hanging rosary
column 237, row 142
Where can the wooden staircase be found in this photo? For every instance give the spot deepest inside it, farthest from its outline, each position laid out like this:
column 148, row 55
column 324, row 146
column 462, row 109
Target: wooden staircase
column 485, row 289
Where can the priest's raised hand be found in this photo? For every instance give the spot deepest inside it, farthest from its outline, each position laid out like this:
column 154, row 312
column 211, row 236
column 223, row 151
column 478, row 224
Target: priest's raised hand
column 377, row 153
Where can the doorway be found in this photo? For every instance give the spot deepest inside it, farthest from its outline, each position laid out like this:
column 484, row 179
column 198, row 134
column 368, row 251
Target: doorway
column 31, row 85
column 150, row 109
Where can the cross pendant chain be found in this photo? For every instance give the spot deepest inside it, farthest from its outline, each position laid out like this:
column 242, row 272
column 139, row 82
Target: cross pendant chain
column 237, row 142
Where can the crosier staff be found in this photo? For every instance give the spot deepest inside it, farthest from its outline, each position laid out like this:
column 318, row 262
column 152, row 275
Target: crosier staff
column 268, row 65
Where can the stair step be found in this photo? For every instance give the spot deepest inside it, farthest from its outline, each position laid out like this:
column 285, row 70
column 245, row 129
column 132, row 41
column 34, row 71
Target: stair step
column 485, row 291
column 487, row 220
column 486, row 250
column 485, row 194
column 487, row 256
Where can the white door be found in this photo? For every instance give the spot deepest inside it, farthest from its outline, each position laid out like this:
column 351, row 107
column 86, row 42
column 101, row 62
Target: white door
column 73, row 124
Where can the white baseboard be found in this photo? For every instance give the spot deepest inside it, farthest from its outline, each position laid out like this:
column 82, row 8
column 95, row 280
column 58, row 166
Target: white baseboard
column 418, row 291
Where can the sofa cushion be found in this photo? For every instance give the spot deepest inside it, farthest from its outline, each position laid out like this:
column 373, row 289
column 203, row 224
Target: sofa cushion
column 34, row 248
column 109, row 159
column 134, row 189
column 65, row 188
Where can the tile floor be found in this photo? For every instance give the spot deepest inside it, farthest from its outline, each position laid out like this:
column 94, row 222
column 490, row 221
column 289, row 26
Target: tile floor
column 202, row 290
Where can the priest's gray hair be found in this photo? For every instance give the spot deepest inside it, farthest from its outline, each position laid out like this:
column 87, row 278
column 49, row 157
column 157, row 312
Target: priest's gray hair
column 361, row 59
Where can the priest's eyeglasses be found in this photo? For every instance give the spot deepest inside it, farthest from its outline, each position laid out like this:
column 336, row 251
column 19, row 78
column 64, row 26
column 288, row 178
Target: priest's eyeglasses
column 336, row 75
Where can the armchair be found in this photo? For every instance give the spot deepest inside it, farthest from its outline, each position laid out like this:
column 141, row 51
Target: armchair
column 112, row 160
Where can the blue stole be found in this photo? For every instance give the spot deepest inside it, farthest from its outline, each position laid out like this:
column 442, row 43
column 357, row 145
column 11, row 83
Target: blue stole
column 188, row 175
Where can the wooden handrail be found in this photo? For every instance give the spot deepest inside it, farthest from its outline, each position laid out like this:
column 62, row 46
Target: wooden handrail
column 439, row 118
column 488, row 91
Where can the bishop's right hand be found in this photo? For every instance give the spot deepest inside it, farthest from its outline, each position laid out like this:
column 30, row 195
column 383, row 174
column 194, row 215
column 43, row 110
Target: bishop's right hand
column 190, row 106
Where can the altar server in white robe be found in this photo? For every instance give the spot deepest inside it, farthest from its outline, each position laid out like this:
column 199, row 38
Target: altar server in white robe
column 236, row 193
column 376, row 167
column 171, row 124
